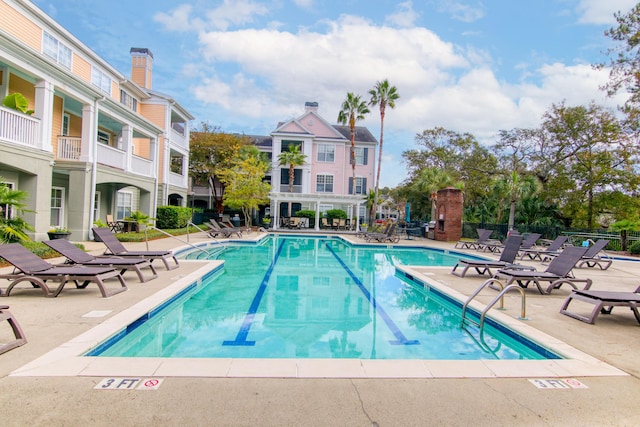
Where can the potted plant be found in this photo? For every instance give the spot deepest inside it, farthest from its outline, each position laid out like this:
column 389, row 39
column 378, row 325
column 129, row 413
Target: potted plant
column 266, row 221
column 141, row 220
column 364, row 227
column 59, row 233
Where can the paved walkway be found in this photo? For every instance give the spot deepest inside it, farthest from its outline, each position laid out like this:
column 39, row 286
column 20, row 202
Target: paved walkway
column 73, row 401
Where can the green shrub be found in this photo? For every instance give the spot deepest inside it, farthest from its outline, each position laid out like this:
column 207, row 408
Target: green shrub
column 336, row 213
column 306, row 214
column 171, row 217
column 634, row 248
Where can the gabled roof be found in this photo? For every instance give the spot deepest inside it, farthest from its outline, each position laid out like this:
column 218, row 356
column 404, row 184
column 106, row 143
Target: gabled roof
column 362, row 133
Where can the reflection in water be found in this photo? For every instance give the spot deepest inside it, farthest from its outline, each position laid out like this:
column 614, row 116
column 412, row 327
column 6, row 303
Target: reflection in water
column 319, row 301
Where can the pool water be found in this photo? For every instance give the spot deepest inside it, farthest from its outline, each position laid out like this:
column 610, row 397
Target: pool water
column 292, row 297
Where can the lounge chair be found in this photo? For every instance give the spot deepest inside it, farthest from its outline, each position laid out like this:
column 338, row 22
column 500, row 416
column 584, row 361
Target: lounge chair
column 33, row 269
column 483, row 236
column 604, row 302
column 497, row 247
column 225, row 231
column 558, row 272
column 114, row 247
column 484, row 266
column 389, row 236
column 20, row 339
column 75, row 255
column 539, row 254
column 375, row 229
column 596, row 256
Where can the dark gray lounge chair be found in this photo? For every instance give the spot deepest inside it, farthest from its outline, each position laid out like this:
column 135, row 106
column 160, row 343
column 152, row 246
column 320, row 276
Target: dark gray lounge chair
column 20, row 339
column 483, row 237
column 225, row 231
column 596, row 256
column 558, row 272
column 389, row 236
column 33, row 269
column 498, row 246
column 538, row 254
column 604, row 302
column 75, row 255
column 114, row 247
column 507, row 257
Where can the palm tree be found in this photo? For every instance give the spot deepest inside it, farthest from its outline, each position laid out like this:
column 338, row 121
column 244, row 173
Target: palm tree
column 353, row 109
column 12, row 226
column 294, row 157
column 514, row 187
column 383, row 96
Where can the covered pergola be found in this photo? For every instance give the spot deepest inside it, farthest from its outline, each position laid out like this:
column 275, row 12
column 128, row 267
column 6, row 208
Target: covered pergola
column 315, row 200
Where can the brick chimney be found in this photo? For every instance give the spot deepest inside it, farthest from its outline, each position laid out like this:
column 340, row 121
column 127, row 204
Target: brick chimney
column 141, row 66
column 311, row 106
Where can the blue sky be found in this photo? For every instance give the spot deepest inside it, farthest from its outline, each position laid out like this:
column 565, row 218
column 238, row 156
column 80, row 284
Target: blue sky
column 468, row 66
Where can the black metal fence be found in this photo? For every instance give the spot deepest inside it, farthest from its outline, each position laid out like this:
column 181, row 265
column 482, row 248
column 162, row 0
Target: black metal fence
column 576, row 235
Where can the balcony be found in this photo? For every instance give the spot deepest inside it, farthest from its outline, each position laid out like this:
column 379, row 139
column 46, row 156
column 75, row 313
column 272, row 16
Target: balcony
column 284, row 188
column 178, row 139
column 111, row 156
column 177, row 180
column 18, row 128
column 69, row 148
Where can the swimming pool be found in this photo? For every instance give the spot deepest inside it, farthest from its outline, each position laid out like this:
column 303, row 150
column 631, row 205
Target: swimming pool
column 315, row 297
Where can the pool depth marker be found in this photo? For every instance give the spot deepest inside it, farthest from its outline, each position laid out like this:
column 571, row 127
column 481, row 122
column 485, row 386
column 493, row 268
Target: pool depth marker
column 241, row 338
column 400, row 338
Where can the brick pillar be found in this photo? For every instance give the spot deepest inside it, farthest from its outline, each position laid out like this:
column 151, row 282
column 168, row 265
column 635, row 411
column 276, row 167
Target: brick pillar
column 448, row 215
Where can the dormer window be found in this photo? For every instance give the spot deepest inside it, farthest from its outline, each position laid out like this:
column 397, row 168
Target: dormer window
column 56, row 50
column 128, row 100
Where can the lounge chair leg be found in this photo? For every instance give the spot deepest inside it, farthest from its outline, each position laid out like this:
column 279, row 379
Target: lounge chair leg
column 17, row 331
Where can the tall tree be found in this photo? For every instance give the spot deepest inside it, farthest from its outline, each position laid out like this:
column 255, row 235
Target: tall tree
column 292, row 158
column 352, row 110
column 513, row 187
column 624, row 74
column 212, row 151
column 383, row 95
column 245, row 186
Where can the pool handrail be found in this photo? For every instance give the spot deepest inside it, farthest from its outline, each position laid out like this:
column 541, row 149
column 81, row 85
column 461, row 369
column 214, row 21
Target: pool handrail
column 146, row 237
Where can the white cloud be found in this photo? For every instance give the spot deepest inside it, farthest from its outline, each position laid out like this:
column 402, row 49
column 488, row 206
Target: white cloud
column 461, row 12
column 404, row 17
column 304, row 4
column 229, row 13
column 601, row 12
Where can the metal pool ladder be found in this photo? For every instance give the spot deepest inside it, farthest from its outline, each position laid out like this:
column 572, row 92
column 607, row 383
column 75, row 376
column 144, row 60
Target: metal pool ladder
column 499, row 297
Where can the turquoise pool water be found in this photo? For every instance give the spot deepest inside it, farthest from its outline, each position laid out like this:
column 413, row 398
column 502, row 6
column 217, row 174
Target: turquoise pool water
column 321, row 297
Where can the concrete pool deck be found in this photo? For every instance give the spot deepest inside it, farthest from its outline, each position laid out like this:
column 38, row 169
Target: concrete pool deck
column 458, row 396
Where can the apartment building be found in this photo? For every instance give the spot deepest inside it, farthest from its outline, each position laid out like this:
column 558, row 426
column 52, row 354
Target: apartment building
column 98, row 142
column 325, row 181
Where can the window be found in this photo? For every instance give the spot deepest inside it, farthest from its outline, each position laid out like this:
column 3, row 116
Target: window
column 128, row 100
column 361, row 186
column 324, row 208
column 101, row 80
column 326, row 153
column 124, row 204
column 361, row 155
column 57, row 206
column 297, row 176
column 324, row 184
column 56, row 50
column 285, row 145
column 65, row 124
column 104, row 137
column 96, row 206
column 5, row 210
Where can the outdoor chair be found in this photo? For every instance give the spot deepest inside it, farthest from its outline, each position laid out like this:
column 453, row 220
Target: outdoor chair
column 596, row 256
column 558, row 272
column 389, row 236
column 31, row 268
column 603, row 302
column 498, row 246
column 225, row 231
column 113, row 225
column 20, row 339
column 483, row 236
column 75, row 255
column 539, row 253
column 484, row 266
column 115, row 247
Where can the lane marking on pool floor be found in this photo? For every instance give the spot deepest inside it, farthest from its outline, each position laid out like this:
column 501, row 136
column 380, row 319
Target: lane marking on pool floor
column 243, row 332
column 400, row 338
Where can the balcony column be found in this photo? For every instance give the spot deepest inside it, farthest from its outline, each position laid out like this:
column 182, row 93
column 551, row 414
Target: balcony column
column 127, row 145
column 44, row 112
column 4, row 82
column 89, row 138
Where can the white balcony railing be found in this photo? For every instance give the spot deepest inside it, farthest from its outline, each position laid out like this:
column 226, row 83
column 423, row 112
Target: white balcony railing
column 179, row 139
column 19, row 128
column 111, row 156
column 69, row 147
column 284, row 188
column 177, row 180
column 141, row 166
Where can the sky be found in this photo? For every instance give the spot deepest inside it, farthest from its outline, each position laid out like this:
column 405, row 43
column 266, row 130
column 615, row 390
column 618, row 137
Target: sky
column 467, row 66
